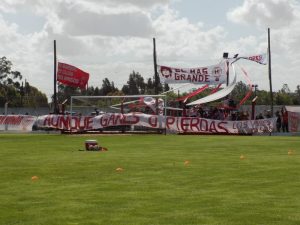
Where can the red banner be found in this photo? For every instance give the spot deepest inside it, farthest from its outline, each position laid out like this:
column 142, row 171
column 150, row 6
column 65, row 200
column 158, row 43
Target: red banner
column 72, row 76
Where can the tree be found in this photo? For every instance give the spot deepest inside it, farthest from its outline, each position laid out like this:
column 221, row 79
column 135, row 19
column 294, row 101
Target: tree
column 296, row 96
column 107, row 87
column 7, row 76
column 166, row 87
column 150, row 87
column 9, row 82
column 33, row 97
column 135, row 84
column 283, row 96
column 239, row 92
column 263, row 97
column 13, row 91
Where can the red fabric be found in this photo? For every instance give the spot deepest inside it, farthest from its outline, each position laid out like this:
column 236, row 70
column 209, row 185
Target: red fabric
column 215, row 90
column 250, row 88
column 184, row 98
column 285, row 117
column 72, row 76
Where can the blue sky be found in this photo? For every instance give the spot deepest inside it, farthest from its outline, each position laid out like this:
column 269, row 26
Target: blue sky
column 111, row 38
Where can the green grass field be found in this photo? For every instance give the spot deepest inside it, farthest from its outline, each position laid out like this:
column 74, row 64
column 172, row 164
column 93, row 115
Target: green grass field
column 155, row 187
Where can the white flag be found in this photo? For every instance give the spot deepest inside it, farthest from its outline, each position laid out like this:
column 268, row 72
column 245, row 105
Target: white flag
column 261, row 59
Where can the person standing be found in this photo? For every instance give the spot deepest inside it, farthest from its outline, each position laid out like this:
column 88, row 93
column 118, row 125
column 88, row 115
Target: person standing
column 285, row 122
column 278, row 121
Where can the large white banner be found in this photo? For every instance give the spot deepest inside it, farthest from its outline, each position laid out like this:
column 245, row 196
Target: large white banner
column 176, row 124
column 211, row 75
column 17, row 122
column 294, row 121
column 293, row 118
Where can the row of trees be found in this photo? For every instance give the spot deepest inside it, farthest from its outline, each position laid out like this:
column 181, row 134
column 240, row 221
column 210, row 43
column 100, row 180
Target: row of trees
column 136, row 85
column 16, row 92
column 282, row 97
column 22, row 94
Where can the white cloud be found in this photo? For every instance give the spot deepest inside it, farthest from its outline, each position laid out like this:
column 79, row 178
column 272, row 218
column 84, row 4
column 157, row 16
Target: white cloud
column 283, row 17
column 135, row 3
column 8, row 6
column 270, row 13
column 126, row 24
column 178, row 38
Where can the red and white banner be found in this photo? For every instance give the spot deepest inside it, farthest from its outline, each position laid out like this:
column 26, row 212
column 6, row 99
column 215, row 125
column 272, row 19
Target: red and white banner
column 294, row 122
column 261, row 59
column 211, row 75
column 177, row 124
column 293, row 118
column 17, row 123
column 72, row 76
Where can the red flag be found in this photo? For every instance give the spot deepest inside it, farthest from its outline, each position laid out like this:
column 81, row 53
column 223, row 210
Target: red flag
column 72, row 76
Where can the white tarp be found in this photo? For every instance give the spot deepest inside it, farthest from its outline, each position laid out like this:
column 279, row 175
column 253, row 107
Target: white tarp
column 218, row 95
column 295, row 109
column 22, row 123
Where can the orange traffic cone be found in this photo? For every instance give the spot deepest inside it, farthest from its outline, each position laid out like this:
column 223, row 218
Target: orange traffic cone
column 119, row 169
column 34, row 178
column 186, row 162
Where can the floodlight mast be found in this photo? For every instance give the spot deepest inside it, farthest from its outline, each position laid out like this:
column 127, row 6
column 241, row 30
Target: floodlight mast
column 55, row 108
column 270, row 72
column 225, row 56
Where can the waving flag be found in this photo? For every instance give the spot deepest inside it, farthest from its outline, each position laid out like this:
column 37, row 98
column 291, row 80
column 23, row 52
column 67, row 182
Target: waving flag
column 261, row 58
column 72, row 76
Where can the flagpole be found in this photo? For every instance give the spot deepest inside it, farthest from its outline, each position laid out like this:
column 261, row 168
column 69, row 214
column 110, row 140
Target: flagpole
column 155, row 68
column 55, row 94
column 270, row 71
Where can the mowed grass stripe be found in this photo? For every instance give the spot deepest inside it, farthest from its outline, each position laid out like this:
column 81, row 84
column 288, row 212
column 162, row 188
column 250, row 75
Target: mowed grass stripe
column 155, row 187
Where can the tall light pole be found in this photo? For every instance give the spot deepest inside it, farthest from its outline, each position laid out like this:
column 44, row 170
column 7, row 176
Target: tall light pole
column 270, row 71
column 156, row 78
column 55, row 109
column 225, row 56
column 255, row 88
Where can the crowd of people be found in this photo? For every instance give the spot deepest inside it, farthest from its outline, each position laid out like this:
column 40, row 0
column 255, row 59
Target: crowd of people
column 216, row 113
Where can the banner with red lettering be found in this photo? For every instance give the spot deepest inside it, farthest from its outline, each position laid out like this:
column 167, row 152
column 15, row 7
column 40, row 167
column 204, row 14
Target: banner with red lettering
column 211, row 75
column 72, row 76
column 22, row 123
column 174, row 124
column 260, row 58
